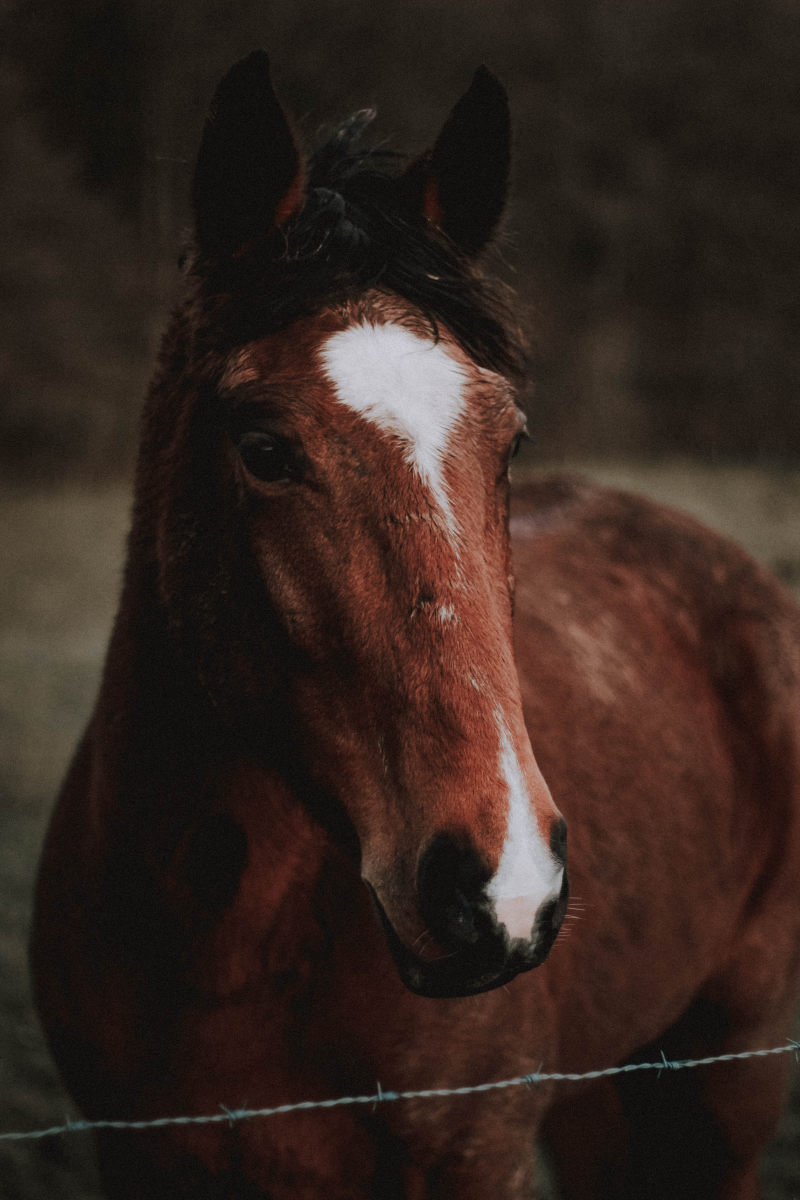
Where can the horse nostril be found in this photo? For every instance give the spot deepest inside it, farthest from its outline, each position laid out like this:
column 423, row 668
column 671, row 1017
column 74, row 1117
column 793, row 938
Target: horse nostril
column 558, row 840
column 450, row 883
column 457, row 919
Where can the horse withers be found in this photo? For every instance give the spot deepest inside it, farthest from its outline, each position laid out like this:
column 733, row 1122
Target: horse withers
column 315, row 835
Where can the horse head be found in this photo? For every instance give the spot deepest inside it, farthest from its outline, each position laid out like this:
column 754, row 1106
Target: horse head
column 335, row 411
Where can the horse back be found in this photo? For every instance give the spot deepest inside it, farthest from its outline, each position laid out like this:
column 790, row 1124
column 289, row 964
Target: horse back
column 659, row 667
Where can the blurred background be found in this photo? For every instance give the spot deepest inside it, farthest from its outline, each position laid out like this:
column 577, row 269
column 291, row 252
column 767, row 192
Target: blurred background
column 652, row 237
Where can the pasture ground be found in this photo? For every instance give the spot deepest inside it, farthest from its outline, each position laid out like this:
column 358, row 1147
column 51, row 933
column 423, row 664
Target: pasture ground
column 62, row 553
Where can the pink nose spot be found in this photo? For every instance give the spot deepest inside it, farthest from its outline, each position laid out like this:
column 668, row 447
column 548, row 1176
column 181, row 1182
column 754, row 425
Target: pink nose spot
column 518, row 914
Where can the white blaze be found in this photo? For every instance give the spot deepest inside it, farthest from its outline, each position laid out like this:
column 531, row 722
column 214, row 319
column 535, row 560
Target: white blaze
column 409, row 387
column 412, row 390
column 527, row 874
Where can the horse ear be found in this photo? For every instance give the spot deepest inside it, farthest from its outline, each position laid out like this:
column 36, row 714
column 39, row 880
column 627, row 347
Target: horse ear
column 460, row 185
column 248, row 179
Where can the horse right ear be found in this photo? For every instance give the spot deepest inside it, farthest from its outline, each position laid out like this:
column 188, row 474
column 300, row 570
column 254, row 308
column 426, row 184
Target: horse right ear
column 249, row 178
column 460, row 185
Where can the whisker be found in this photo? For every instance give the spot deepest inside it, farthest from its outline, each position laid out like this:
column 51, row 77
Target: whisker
column 426, row 934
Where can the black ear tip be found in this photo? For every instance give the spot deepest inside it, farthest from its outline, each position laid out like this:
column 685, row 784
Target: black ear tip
column 257, row 59
column 484, row 106
column 254, row 63
column 488, row 86
column 248, row 75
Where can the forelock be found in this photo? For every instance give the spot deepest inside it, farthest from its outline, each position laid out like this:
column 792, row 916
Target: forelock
column 355, row 233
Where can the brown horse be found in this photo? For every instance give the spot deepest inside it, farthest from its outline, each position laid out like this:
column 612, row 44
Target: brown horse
column 305, row 839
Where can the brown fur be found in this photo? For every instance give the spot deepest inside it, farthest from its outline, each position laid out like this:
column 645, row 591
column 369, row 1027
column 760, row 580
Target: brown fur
column 668, row 731
column 278, row 709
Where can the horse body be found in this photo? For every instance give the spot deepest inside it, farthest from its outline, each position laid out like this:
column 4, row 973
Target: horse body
column 311, row 687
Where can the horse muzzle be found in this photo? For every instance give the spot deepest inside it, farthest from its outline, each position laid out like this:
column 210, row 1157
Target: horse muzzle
column 468, row 946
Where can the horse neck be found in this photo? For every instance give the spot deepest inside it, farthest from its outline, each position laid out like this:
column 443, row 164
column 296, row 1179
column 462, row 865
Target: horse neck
column 203, row 829
column 157, row 729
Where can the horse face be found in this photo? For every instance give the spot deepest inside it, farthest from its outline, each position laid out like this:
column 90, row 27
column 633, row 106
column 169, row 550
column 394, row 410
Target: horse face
column 373, row 463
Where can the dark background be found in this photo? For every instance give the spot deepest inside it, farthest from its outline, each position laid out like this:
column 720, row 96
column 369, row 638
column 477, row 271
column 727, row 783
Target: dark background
column 652, row 235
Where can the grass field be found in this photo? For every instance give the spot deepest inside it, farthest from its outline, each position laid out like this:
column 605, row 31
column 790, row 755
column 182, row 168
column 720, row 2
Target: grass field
column 62, row 555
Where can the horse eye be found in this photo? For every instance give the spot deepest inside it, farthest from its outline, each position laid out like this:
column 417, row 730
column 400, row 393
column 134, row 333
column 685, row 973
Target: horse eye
column 516, row 442
column 269, row 457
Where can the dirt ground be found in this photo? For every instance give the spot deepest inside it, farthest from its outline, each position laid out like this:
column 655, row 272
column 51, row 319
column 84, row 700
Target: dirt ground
column 62, row 555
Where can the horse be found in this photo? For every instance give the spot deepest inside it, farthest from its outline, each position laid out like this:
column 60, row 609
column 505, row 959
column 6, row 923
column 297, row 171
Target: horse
column 314, row 839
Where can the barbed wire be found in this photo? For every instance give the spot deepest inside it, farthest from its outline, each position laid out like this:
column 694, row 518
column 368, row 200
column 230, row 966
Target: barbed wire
column 232, row 1115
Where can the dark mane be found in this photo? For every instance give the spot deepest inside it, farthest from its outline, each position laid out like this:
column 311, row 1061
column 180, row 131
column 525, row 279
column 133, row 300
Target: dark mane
column 355, row 232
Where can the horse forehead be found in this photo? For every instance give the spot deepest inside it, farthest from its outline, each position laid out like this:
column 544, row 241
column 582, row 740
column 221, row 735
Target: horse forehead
column 407, row 385
column 419, row 391
column 409, row 388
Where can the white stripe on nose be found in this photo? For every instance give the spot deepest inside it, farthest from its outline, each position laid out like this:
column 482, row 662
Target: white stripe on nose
column 527, row 875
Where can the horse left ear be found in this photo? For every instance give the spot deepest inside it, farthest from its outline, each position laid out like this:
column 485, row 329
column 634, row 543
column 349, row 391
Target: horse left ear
column 460, row 185
column 249, row 178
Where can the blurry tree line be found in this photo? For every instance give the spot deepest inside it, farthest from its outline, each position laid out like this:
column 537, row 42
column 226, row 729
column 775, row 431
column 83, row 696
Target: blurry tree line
column 652, row 236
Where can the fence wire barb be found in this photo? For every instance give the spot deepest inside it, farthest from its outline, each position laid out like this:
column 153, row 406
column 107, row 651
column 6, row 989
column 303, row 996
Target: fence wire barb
column 383, row 1097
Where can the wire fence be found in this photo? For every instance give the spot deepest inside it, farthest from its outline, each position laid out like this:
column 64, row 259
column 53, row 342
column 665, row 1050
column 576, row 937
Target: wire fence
column 233, row 1115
